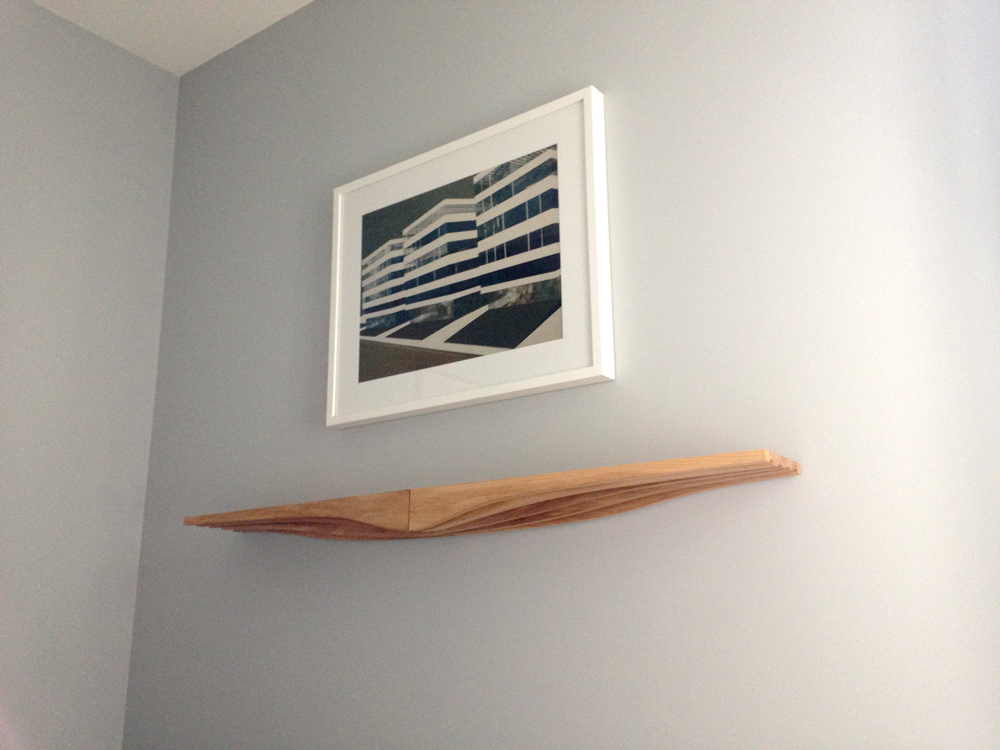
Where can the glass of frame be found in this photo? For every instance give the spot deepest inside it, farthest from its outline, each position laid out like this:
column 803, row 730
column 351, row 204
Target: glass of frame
column 475, row 272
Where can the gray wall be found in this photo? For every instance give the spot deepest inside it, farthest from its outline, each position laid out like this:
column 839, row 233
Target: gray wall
column 86, row 153
column 805, row 258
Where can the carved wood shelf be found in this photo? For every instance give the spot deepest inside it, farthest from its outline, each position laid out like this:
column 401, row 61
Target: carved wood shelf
column 499, row 504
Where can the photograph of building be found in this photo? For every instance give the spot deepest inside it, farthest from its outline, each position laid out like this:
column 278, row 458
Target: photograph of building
column 465, row 270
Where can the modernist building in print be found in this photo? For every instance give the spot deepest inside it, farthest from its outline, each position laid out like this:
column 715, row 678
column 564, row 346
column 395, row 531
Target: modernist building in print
column 466, row 270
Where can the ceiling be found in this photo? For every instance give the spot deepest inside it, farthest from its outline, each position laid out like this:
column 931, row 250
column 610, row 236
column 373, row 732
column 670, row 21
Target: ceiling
column 177, row 35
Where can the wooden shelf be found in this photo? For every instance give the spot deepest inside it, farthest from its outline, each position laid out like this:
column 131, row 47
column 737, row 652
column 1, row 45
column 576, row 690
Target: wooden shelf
column 500, row 504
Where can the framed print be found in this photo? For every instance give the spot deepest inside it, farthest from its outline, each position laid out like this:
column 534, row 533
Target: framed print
column 477, row 271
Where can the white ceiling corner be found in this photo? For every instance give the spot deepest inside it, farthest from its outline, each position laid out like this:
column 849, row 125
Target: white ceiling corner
column 176, row 35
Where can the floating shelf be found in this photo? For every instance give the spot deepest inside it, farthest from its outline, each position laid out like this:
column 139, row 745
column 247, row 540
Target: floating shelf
column 500, row 504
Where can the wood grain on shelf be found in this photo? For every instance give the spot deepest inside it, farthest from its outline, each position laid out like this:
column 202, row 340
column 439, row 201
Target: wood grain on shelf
column 499, row 504
column 359, row 517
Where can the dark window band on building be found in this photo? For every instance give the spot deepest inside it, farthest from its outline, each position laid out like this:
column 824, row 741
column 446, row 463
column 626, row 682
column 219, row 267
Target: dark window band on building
column 547, row 235
column 538, row 267
column 511, row 218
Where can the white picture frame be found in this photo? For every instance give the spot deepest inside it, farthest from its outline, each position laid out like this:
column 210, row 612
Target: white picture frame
column 428, row 309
